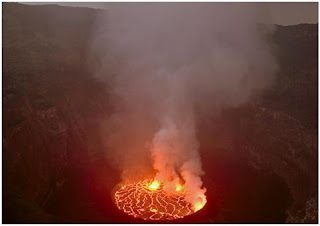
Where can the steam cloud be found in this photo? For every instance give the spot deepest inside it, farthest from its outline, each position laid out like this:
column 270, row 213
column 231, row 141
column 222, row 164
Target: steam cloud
column 170, row 59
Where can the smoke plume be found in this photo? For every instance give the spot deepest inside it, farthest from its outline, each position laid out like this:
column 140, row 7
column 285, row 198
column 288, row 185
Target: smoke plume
column 169, row 59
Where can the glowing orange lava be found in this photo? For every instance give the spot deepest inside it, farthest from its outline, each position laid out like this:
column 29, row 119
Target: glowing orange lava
column 150, row 200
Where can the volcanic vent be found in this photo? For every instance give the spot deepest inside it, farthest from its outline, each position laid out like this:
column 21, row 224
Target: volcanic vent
column 151, row 200
column 172, row 75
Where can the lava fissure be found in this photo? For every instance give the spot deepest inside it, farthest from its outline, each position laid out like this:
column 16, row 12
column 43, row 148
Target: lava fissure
column 150, row 200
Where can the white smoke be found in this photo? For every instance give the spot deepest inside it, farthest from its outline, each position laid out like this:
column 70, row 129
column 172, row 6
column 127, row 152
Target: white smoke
column 168, row 59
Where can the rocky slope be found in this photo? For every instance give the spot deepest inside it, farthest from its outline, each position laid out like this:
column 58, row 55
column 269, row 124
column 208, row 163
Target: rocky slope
column 52, row 105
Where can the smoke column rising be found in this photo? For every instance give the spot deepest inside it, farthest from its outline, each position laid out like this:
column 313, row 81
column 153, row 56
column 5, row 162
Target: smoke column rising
column 167, row 59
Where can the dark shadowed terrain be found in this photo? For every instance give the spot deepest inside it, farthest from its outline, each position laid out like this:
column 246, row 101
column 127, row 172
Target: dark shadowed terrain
column 260, row 159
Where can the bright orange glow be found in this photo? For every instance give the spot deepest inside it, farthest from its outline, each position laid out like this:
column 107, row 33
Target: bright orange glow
column 200, row 204
column 151, row 201
column 153, row 210
column 154, row 185
column 178, row 187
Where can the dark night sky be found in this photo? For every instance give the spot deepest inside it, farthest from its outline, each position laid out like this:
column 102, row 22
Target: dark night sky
column 287, row 13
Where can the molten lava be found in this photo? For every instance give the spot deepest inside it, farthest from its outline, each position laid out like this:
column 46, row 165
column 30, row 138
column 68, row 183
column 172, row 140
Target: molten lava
column 154, row 185
column 151, row 200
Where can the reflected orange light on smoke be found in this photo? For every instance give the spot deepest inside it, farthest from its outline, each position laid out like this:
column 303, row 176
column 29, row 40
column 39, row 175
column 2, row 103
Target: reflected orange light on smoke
column 152, row 200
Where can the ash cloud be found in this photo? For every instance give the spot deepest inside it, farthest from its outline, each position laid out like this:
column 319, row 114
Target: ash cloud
column 167, row 59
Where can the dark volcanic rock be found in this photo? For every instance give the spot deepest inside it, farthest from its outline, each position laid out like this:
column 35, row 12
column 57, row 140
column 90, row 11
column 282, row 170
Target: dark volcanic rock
column 52, row 105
